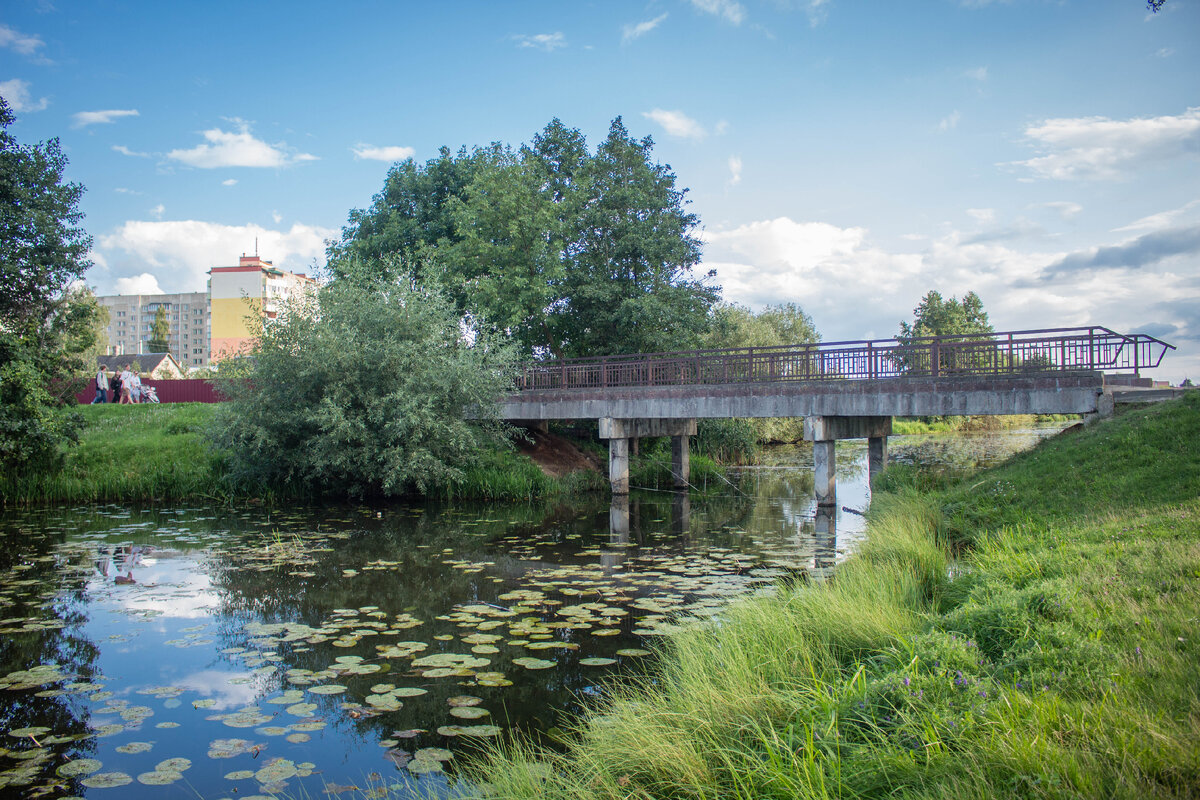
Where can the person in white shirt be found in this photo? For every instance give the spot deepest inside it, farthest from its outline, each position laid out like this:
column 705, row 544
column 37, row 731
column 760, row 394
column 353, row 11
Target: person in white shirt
column 136, row 394
column 101, row 386
column 126, row 387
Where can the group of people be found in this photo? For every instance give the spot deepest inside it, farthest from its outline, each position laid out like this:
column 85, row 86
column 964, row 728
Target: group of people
column 126, row 386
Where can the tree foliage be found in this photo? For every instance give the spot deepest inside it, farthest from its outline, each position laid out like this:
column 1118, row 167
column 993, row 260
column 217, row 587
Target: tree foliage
column 48, row 325
column 568, row 252
column 951, row 318
column 160, row 331
column 362, row 390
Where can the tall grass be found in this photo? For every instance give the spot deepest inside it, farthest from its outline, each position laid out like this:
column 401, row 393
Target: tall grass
column 1057, row 657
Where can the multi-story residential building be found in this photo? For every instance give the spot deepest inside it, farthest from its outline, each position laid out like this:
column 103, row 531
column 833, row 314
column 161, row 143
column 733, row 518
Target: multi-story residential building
column 131, row 316
column 253, row 287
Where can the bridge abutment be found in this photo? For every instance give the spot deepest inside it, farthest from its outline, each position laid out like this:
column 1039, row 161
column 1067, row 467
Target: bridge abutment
column 824, row 431
column 619, row 432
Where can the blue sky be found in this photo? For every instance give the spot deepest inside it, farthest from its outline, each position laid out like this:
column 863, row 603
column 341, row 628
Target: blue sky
column 847, row 156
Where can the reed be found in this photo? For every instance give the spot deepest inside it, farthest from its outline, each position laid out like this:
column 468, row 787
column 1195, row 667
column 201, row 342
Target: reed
column 1057, row 655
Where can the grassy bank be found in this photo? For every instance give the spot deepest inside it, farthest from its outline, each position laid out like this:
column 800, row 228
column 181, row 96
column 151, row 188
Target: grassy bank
column 148, row 452
column 1057, row 656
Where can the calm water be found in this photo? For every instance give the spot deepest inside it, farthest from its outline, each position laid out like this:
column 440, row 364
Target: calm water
column 195, row 651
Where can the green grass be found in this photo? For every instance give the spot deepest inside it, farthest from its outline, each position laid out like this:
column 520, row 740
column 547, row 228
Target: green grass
column 130, row 453
column 1031, row 631
column 914, row 425
column 146, row 453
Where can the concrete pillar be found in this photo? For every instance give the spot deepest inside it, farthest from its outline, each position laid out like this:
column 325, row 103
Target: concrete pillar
column 825, row 472
column 680, row 467
column 618, row 465
column 876, row 456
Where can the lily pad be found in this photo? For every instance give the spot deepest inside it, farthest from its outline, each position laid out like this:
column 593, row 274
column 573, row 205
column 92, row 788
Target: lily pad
column 469, row 713
column 159, row 777
column 597, row 662
column 327, row 688
column 80, row 766
column 533, row 663
column 106, row 780
column 423, row 766
column 135, row 747
column 173, row 765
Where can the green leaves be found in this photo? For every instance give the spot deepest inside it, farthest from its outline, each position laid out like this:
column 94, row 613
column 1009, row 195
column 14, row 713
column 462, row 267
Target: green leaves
column 364, row 393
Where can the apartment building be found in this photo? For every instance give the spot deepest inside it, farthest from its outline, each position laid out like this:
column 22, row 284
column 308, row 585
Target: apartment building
column 252, row 287
column 131, row 316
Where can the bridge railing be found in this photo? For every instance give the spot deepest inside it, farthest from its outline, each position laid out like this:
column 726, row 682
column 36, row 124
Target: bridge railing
column 1011, row 353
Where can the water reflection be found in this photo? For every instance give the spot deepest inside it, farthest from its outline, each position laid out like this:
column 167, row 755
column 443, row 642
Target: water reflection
column 340, row 643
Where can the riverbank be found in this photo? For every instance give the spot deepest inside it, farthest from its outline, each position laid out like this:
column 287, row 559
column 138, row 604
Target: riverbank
column 156, row 453
column 1029, row 631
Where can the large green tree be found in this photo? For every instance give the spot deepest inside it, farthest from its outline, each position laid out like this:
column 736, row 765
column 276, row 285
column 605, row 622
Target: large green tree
column 47, row 322
column 363, row 389
column 950, row 318
column 567, row 252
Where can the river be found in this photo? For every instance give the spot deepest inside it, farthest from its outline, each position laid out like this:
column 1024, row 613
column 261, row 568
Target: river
column 214, row 652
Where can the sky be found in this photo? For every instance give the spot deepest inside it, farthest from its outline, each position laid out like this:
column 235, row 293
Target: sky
column 847, row 156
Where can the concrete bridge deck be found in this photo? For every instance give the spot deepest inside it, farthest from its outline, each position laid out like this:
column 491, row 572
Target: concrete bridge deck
column 843, row 390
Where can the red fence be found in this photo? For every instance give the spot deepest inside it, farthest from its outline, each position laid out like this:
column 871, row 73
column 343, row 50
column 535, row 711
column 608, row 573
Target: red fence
column 185, row 390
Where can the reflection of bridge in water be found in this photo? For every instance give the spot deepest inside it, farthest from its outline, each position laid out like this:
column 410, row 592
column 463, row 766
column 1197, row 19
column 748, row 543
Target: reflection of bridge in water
column 843, row 390
column 816, row 558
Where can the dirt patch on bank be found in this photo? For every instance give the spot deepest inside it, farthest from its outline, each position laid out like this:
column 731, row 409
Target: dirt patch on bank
column 555, row 455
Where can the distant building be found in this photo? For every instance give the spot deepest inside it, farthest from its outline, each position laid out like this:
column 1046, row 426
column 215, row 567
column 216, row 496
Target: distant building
column 251, row 288
column 157, row 366
column 130, row 317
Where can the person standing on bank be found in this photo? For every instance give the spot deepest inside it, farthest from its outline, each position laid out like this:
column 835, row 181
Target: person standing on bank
column 136, row 392
column 101, row 386
column 126, row 387
column 114, row 383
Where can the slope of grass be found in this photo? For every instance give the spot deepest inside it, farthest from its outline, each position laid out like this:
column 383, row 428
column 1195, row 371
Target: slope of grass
column 144, row 453
column 1057, row 656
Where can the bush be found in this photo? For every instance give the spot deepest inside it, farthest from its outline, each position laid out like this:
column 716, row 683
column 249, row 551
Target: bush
column 363, row 390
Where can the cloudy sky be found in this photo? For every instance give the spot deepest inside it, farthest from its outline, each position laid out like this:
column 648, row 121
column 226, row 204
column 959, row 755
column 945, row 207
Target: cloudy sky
column 847, row 156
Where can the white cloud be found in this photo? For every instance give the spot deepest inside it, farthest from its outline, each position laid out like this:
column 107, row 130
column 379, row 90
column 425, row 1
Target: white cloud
column 631, row 32
column 735, row 170
column 542, row 41
column 1065, row 208
column 732, row 11
column 1165, row 52
column 1101, row 148
column 977, row 74
column 180, row 252
column 19, row 42
column 385, row 153
column 855, row 289
column 676, row 123
column 158, row 211
column 1161, row 220
column 85, row 118
column 16, row 92
column 275, row 215
column 144, row 283
column 817, row 11
column 124, row 190
column 240, row 149
column 229, row 182
column 125, row 151
column 982, row 214
column 950, row 122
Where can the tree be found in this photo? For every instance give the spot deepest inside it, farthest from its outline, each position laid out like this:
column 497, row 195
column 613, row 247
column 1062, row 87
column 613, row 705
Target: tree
column 567, row 253
column 46, row 322
column 160, row 330
column 954, row 319
column 363, row 390
column 629, row 286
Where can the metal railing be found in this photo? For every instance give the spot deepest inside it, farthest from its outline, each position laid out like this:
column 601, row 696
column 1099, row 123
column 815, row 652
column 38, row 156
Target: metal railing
column 1014, row 354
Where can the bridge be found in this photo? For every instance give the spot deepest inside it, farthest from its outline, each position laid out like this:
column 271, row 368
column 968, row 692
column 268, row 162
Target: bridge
column 843, row 390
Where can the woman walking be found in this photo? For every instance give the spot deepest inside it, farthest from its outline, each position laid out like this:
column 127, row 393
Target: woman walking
column 101, row 386
column 126, row 387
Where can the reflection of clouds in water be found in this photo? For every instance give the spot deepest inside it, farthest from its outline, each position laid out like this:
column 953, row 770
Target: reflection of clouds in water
column 171, row 587
column 216, row 684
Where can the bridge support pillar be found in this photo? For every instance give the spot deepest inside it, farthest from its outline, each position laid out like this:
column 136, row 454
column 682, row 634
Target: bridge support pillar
column 825, row 472
column 618, row 432
column 823, row 432
column 618, row 465
column 876, row 456
column 680, row 467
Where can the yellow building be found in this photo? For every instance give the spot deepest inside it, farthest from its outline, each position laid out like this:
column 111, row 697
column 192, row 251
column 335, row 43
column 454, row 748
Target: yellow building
column 254, row 287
